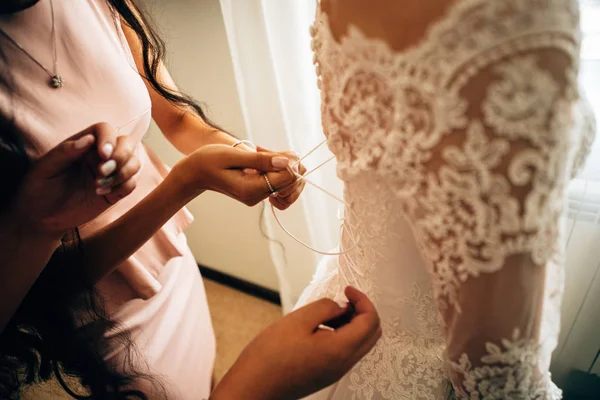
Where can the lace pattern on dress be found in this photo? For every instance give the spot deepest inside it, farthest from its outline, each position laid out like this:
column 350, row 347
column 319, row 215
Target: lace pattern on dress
column 405, row 358
column 509, row 370
column 457, row 168
column 408, row 108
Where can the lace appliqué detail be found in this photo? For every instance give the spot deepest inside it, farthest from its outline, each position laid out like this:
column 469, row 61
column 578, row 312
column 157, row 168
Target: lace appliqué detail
column 518, row 105
column 393, row 113
column 508, row 371
column 470, row 132
column 405, row 364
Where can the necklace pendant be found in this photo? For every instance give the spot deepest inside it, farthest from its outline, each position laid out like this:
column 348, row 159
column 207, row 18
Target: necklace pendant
column 56, row 81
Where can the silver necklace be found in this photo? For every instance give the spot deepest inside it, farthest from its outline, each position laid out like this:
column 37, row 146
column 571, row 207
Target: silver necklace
column 56, row 81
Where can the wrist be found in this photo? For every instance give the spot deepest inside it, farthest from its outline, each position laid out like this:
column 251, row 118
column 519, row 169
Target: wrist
column 19, row 222
column 245, row 145
column 182, row 186
column 27, row 234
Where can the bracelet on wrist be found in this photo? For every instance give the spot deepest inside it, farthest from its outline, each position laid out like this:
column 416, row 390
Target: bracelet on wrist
column 246, row 142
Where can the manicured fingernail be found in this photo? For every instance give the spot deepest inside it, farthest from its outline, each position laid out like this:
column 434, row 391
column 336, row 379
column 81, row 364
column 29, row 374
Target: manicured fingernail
column 107, row 150
column 342, row 303
column 103, row 182
column 83, row 142
column 326, row 328
column 280, row 162
column 108, row 167
column 250, row 171
column 103, row 191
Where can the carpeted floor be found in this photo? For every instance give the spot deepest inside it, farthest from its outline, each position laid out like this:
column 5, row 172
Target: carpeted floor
column 237, row 319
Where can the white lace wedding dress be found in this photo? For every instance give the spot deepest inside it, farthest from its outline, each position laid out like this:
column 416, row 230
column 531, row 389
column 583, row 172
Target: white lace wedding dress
column 455, row 153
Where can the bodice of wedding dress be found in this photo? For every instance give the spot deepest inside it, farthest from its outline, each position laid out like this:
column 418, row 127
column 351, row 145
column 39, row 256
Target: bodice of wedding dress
column 455, row 154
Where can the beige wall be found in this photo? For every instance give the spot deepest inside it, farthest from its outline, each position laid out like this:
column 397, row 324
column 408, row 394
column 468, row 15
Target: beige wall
column 225, row 235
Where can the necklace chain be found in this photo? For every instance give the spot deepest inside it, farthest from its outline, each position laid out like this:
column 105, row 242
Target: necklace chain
column 56, row 81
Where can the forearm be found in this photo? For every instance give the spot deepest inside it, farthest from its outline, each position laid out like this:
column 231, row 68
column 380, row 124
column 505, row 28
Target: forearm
column 245, row 379
column 236, row 388
column 224, row 392
column 190, row 132
column 186, row 130
column 25, row 254
column 112, row 245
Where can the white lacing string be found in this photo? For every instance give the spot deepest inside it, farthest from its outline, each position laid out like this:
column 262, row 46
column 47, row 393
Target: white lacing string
column 308, row 246
column 303, row 177
column 309, row 153
column 344, row 221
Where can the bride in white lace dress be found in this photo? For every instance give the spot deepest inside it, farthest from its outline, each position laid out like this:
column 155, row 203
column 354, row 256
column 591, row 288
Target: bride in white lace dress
column 456, row 126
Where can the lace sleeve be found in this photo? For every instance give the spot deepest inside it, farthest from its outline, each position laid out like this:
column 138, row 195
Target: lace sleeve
column 488, row 217
column 486, row 155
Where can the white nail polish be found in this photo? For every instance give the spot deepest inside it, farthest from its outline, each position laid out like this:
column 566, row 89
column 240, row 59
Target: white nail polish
column 103, row 182
column 342, row 303
column 107, row 150
column 325, row 328
column 108, row 167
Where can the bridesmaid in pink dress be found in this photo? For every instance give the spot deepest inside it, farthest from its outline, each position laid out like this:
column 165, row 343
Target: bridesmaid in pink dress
column 157, row 292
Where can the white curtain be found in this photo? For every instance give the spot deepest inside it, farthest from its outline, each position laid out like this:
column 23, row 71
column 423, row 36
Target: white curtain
column 579, row 342
column 270, row 45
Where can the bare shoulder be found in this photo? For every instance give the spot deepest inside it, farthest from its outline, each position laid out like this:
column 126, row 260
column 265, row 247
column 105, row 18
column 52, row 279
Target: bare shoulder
column 400, row 23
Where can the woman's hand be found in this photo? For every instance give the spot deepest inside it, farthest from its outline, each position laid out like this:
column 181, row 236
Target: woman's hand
column 232, row 172
column 56, row 194
column 293, row 358
column 287, row 196
column 76, row 181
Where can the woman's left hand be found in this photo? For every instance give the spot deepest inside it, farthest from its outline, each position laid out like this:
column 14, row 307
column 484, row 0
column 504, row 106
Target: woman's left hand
column 288, row 195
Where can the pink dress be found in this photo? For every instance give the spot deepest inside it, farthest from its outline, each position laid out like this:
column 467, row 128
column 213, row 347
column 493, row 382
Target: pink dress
column 157, row 293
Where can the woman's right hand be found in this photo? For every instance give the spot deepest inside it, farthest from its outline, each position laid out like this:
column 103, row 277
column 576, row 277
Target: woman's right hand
column 293, row 358
column 222, row 168
column 76, row 181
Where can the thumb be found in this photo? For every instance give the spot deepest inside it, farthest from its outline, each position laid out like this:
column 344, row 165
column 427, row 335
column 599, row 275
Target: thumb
column 319, row 312
column 365, row 322
column 360, row 301
column 65, row 154
column 106, row 139
column 261, row 161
